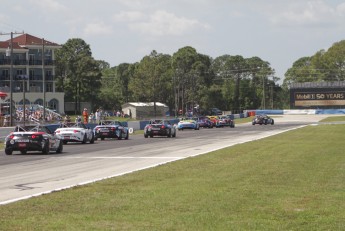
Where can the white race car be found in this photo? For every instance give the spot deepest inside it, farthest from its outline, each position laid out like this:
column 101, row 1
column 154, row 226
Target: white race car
column 75, row 132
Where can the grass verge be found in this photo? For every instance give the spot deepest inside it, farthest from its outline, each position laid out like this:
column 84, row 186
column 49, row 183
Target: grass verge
column 292, row 181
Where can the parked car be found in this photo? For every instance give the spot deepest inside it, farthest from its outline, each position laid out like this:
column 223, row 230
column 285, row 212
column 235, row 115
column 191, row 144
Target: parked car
column 216, row 111
column 187, row 123
column 262, row 119
column 226, row 121
column 33, row 138
column 111, row 129
column 159, row 128
column 75, row 132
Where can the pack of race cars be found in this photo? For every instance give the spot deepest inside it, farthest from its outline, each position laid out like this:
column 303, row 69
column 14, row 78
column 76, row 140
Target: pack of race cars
column 51, row 138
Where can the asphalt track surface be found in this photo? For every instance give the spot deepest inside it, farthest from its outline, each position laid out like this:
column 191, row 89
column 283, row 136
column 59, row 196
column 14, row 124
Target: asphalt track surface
column 34, row 174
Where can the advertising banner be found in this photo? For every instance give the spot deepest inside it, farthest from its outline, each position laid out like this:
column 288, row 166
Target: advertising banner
column 308, row 99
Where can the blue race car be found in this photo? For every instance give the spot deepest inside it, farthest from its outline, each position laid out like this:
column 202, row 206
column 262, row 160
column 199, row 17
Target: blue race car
column 187, row 123
column 204, row 122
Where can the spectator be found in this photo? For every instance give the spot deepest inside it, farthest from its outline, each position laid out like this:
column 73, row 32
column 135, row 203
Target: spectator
column 85, row 116
column 98, row 116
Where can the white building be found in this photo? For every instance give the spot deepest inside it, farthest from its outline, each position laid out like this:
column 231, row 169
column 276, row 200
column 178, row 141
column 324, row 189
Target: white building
column 33, row 67
column 140, row 110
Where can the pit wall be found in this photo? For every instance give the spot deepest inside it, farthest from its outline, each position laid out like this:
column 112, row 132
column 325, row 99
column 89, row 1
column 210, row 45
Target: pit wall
column 298, row 112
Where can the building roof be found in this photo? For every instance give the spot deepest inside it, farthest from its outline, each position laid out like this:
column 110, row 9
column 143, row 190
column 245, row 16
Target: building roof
column 335, row 84
column 141, row 104
column 27, row 40
column 6, row 45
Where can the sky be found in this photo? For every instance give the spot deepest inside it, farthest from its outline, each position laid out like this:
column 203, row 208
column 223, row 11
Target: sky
column 124, row 31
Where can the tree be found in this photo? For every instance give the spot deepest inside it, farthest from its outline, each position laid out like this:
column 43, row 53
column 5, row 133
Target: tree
column 79, row 73
column 322, row 66
column 191, row 78
column 152, row 79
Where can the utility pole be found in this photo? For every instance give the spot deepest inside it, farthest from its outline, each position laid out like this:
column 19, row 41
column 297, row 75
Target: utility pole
column 44, row 82
column 11, row 72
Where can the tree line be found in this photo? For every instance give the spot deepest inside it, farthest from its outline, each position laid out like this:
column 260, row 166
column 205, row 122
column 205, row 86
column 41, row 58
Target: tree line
column 187, row 80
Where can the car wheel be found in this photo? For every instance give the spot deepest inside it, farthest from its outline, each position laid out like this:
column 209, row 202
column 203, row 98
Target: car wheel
column 92, row 139
column 64, row 142
column 84, row 139
column 174, row 134
column 151, row 135
column 120, row 136
column 272, row 122
column 102, row 138
column 127, row 135
column 23, row 152
column 60, row 148
column 45, row 149
column 169, row 134
column 8, row 151
column 145, row 135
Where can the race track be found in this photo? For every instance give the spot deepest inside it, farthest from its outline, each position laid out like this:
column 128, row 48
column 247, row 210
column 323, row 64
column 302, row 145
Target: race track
column 24, row 176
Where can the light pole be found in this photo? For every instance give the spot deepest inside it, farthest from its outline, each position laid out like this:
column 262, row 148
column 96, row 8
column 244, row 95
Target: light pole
column 263, row 93
column 11, row 83
column 44, row 83
column 24, row 77
column 9, row 52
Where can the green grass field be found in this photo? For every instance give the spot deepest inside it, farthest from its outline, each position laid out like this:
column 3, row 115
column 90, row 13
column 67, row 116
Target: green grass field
column 291, row 181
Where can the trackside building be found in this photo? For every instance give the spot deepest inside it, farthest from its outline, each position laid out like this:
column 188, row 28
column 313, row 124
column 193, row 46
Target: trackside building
column 317, row 95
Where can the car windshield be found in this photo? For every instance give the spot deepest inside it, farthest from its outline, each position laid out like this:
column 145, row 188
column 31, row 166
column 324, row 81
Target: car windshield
column 110, row 122
column 73, row 125
column 34, row 128
column 159, row 122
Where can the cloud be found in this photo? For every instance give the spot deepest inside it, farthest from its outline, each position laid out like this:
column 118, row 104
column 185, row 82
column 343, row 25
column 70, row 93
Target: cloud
column 97, row 29
column 49, row 5
column 310, row 13
column 128, row 16
column 162, row 23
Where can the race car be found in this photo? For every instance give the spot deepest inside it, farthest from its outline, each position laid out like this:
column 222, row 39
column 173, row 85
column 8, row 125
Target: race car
column 215, row 120
column 187, row 123
column 159, row 128
column 225, row 121
column 110, row 129
column 75, row 132
column 33, row 138
column 262, row 119
column 204, row 122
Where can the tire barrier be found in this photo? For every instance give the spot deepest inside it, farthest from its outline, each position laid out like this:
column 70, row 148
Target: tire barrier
column 130, row 130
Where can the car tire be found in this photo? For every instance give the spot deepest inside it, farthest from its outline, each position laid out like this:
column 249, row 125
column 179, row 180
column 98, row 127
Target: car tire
column 127, row 135
column 84, row 139
column 102, row 138
column 23, row 152
column 64, row 142
column 8, row 151
column 145, row 135
column 92, row 139
column 60, row 148
column 45, row 149
column 272, row 123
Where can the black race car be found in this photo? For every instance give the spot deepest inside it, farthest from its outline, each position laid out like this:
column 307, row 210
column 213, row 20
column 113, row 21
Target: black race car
column 33, row 138
column 110, row 129
column 263, row 119
column 159, row 128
